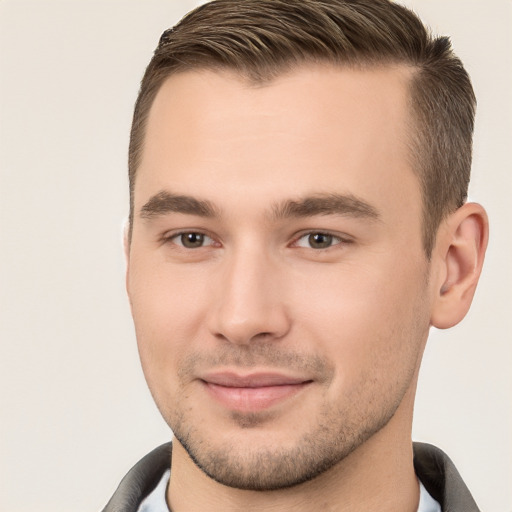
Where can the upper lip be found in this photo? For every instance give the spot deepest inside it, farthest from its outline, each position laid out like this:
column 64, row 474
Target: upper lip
column 252, row 380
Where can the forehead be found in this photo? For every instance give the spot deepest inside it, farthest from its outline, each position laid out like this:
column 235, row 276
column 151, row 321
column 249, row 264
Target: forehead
column 313, row 129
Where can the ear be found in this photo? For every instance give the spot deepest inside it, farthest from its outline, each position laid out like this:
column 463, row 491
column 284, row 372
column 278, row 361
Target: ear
column 126, row 249
column 459, row 256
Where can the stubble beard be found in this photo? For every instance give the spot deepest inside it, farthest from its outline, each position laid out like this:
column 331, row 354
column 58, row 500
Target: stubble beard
column 264, row 466
column 274, row 468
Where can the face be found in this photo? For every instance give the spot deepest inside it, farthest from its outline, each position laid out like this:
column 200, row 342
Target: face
column 276, row 272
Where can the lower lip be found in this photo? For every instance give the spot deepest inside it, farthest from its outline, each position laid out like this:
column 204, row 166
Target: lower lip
column 253, row 399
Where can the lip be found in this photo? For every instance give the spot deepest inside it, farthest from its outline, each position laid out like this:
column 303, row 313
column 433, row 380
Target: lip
column 252, row 392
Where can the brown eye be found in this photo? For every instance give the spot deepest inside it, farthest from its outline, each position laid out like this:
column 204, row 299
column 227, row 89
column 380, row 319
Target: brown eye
column 191, row 240
column 320, row 240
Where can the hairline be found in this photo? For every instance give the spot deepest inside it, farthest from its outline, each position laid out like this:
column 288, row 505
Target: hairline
column 259, row 79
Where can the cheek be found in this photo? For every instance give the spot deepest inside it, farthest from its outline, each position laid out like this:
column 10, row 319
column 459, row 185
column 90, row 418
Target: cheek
column 368, row 320
column 165, row 297
column 167, row 308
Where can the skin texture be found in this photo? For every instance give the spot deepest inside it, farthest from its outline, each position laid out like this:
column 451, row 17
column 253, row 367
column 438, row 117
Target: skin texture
column 332, row 298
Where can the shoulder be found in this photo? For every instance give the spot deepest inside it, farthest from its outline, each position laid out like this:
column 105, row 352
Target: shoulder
column 442, row 480
column 140, row 480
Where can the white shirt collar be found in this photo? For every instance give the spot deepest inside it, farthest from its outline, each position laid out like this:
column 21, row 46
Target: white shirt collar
column 156, row 500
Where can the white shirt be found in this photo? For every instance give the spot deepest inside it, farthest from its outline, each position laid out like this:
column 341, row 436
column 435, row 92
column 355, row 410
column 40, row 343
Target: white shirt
column 156, row 502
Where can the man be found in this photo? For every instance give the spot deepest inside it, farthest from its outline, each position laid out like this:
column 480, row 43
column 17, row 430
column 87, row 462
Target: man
column 298, row 221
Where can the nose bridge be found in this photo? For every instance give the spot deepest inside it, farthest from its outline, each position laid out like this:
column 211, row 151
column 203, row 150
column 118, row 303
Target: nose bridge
column 250, row 300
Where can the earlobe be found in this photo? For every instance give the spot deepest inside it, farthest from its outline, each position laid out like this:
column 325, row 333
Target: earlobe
column 459, row 253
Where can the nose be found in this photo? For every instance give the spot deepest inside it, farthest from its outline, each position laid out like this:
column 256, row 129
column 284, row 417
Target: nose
column 249, row 304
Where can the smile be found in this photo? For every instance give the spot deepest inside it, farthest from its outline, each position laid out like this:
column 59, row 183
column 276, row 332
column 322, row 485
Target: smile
column 252, row 393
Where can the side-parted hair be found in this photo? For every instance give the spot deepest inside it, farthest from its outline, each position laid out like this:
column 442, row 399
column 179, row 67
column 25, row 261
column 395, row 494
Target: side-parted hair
column 261, row 39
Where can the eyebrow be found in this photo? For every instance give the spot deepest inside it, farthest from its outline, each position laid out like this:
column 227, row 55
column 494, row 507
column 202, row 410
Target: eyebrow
column 326, row 204
column 165, row 202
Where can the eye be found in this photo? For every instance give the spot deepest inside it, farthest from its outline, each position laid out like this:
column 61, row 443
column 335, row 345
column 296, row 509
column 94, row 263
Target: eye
column 318, row 240
column 191, row 240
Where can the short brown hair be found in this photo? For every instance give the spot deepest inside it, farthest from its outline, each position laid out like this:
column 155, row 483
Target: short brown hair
column 259, row 39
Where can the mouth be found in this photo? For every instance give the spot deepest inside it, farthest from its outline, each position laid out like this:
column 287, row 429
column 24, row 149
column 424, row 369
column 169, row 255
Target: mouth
column 252, row 392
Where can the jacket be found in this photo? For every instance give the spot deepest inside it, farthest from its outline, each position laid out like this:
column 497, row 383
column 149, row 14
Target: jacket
column 433, row 467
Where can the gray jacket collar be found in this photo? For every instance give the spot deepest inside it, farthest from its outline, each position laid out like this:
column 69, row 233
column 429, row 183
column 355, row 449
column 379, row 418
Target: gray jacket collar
column 433, row 467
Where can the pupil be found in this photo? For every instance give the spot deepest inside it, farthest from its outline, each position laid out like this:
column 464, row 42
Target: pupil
column 192, row 239
column 320, row 240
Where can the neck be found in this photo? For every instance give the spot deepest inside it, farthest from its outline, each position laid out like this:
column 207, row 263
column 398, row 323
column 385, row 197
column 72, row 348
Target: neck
column 377, row 476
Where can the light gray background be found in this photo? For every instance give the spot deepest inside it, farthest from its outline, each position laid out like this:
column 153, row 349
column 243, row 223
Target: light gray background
column 75, row 411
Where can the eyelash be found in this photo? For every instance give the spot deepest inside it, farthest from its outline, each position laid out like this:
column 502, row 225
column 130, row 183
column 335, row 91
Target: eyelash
column 171, row 238
column 335, row 239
